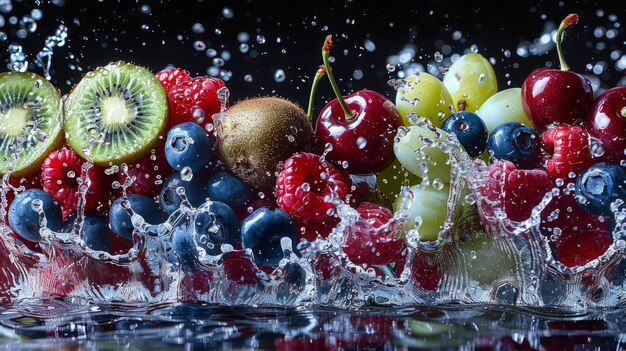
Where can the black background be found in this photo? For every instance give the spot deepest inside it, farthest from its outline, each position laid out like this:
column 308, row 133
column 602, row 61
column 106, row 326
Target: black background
column 108, row 30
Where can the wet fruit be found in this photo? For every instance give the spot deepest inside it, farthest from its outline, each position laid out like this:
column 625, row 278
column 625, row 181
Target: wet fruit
column 24, row 219
column 258, row 133
column 471, row 78
column 116, row 113
column 30, row 122
column 424, row 95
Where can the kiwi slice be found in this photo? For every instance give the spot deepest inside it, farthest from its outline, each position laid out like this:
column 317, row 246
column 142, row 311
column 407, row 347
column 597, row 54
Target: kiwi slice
column 115, row 114
column 30, row 122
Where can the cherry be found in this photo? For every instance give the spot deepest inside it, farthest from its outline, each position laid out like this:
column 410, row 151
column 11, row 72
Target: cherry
column 606, row 121
column 360, row 127
column 556, row 96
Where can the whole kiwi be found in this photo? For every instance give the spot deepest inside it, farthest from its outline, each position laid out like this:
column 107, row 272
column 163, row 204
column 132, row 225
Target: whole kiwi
column 258, row 133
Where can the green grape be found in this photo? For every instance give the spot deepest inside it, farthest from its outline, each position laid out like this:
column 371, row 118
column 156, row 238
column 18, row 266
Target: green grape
column 410, row 139
column 426, row 96
column 487, row 260
column 392, row 178
column 471, row 78
column 504, row 106
column 428, row 203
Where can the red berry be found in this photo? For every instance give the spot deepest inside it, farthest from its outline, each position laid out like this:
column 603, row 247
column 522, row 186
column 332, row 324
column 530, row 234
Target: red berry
column 60, row 174
column 373, row 239
column 305, row 185
column 148, row 173
column 576, row 248
column 426, row 270
column 517, row 190
column 239, row 268
column 195, row 100
column 312, row 230
column 569, row 146
column 169, row 77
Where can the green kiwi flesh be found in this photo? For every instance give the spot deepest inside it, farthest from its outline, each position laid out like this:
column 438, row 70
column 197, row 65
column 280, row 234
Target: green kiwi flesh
column 30, row 122
column 116, row 114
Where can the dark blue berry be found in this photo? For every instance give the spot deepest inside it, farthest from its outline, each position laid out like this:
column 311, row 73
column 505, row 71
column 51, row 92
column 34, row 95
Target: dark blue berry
column 207, row 230
column 95, row 230
column 195, row 191
column 469, row 129
column 226, row 187
column 188, row 145
column 517, row 143
column 262, row 232
column 24, row 220
column 598, row 186
column 119, row 217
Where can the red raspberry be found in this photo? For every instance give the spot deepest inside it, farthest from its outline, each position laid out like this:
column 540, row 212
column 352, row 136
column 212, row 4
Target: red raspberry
column 59, row 174
column 582, row 236
column 426, row 270
column 148, row 173
column 517, row 190
column 569, row 146
column 576, row 248
column 304, row 186
column 195, row 100
column 169, row 77
column 311, row 230
column 373, row 239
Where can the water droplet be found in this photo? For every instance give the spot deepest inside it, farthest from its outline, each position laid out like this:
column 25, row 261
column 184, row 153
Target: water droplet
column 438, row 183
column 186, row 174
column 438, row 56
column 260, row 39
column 279, row 76
column 248, row 78
column 306, row 186
column 197, row 28
column 361, row 142
column 228, row 13
column 199, row 45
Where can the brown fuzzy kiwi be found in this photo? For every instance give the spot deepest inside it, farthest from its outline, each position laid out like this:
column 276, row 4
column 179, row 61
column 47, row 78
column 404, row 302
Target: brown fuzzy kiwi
column 258, row 133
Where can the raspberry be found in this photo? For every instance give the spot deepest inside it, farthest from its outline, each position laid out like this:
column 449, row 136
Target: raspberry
column 569, row 146
column 195, row 100
column 305, row 184
column 169, row 77
column 373, row 239
column 148, row 173
column 426, row 270
column 576, row 248
column 517, row 190
column 312, row 230
column 61, row 174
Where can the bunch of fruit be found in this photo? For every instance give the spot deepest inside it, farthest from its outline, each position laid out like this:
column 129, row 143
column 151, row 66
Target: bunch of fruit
column 127, row 142
column 549, row 136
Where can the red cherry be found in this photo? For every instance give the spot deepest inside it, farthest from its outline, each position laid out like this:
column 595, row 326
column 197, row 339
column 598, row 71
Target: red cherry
column 606, row 121
column 577, row 248
column 360, row 127
column 556, row 96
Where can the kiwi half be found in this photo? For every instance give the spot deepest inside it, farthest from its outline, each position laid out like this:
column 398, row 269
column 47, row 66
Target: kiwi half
column 116, row 114
column 30, row 122
column 257, row 133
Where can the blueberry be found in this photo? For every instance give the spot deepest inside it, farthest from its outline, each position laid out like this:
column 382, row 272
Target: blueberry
column 262, row 231
column 517, row 143
column 195, row 191
column 226, row 187
column 216, row 227
column 95, row 230
column 206, row 235
column 119, row 217
column 293, row 283
column 24, row 220
column 469, row 129
column 188, row 145
column 600, row 185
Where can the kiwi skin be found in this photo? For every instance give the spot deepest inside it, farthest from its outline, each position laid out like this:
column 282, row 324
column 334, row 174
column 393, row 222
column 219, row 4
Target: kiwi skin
column 253, row 137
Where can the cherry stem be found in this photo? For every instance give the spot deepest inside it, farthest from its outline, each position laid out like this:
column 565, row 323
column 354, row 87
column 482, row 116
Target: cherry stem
column 569, row 21
column 325, row 55
column 316, row 80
